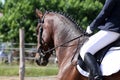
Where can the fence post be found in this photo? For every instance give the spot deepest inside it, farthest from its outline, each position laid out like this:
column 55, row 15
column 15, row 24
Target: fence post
column 22, row 55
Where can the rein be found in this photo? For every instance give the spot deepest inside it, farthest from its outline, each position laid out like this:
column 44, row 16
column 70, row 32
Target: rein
column 62, row 45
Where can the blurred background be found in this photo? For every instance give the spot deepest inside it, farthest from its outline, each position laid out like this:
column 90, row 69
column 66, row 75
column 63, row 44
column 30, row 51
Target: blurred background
column 16, row 14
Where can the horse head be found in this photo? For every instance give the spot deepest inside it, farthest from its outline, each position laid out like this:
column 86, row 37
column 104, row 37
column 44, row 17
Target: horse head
column 44, row 40
column 54, row 32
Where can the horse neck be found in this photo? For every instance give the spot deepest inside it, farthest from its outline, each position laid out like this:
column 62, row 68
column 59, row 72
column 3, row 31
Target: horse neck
column 64, row 32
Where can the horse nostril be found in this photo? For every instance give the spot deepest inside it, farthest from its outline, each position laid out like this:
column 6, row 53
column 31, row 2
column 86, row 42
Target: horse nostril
column 41, row 62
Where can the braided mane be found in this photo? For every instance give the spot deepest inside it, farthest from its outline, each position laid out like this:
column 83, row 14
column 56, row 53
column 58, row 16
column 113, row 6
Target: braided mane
column 71, row 19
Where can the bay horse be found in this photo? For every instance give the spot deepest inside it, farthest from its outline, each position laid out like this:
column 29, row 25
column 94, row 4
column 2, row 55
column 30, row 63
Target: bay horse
column 58, row 32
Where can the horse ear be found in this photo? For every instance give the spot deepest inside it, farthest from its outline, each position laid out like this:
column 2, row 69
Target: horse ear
column 39, row 13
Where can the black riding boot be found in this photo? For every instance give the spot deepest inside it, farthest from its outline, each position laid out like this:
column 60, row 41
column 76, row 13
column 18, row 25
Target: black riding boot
column 93, row 67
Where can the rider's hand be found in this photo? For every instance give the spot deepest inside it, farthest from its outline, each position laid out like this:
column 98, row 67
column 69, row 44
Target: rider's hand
column 88, row 30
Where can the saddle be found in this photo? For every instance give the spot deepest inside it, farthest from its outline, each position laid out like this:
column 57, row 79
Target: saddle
column 99, row 55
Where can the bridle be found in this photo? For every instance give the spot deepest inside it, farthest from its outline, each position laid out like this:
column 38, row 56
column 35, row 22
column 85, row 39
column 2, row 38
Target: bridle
column 40, row 50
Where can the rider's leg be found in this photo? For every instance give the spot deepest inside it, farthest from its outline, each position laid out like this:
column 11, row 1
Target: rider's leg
column 98, row 41
column 95, row 43
column 93, row 67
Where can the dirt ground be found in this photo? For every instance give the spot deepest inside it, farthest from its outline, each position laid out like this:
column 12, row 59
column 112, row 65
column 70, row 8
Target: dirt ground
column 27, row 78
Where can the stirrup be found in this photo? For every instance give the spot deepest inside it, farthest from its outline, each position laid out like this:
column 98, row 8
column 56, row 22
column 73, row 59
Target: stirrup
column 98, row 78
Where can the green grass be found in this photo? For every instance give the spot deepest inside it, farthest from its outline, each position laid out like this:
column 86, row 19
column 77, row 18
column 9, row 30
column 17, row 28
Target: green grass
column 30, row 70
column 42, row 71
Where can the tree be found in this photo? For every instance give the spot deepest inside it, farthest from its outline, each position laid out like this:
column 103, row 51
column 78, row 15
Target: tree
column 1, row 6
column 21, row 14
column 18, row 14
column 83, row 11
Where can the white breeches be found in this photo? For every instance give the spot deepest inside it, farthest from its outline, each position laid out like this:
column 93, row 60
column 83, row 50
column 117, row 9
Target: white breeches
column 98, row 41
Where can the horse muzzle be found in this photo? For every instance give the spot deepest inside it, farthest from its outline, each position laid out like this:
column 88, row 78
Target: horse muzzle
column 40, row 60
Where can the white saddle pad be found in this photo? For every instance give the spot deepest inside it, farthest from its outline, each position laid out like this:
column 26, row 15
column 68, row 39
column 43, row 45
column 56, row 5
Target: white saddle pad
column 110, row 63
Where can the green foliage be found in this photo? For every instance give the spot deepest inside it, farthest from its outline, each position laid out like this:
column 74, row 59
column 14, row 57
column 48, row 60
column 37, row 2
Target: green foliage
column 1, row 6
column 18, row 14
column 83, row 11
column 21, row 14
